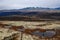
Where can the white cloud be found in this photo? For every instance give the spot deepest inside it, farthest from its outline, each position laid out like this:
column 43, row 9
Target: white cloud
column 13, row 4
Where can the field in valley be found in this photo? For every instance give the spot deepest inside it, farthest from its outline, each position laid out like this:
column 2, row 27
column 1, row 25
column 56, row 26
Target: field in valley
column 7, row 33
column 27, row 24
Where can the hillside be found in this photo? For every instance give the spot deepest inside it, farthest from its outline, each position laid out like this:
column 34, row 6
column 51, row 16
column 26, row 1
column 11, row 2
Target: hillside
column 30, row 15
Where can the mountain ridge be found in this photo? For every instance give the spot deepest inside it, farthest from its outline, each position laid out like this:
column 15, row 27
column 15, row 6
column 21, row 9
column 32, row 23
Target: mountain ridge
column 30, row 14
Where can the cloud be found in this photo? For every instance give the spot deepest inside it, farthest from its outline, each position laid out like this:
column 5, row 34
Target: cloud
column 16, row 4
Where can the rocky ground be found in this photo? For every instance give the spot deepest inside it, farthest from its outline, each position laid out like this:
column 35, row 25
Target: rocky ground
column 22, row 30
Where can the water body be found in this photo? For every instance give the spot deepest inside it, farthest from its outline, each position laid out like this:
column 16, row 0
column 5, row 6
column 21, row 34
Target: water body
column 44, row 34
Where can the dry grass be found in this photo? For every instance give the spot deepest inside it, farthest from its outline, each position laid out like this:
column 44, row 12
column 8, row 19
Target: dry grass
column 32, row 25
column 29, row 26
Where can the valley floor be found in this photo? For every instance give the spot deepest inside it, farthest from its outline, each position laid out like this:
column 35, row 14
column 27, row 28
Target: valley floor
column 29, row 27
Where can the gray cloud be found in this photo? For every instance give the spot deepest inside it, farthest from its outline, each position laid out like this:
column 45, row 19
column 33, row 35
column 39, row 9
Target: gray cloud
column 15, row 4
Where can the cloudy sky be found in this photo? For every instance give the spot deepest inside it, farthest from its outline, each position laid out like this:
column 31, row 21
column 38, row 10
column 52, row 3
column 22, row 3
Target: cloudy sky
column 18, row 4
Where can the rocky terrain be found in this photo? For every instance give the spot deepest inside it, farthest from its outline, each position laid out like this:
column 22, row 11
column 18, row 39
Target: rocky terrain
column 30, row 24
column 25, row 30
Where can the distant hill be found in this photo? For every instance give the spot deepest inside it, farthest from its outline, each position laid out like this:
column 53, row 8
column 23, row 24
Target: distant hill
column 58, row 8
column 29, row 16
column 30, row 13
column 31, row 10
column 40, row 8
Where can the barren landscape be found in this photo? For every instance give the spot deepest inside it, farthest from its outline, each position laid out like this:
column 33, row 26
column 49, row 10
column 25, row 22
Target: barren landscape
column 15, row 27
column 30, row 25
column 29, row 19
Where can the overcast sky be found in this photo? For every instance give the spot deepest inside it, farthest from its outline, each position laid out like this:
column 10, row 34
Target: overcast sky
column 18, row 4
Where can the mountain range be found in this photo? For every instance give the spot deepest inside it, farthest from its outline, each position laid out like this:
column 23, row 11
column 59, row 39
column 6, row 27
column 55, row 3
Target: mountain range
column 30, row 13
column 40, row 8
